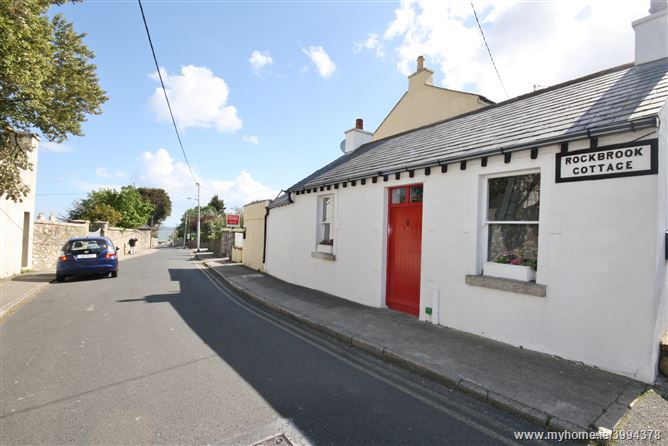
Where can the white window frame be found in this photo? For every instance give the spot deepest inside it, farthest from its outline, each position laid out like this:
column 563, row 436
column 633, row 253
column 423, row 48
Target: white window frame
column 320, row 222
column 489, row 268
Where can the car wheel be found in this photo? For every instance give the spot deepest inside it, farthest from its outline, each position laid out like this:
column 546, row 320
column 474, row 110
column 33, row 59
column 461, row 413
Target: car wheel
column 114, row 274
column 60, row 278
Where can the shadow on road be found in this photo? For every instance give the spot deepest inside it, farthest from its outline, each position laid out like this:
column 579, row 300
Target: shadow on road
column 41, row 277
column 328, row 400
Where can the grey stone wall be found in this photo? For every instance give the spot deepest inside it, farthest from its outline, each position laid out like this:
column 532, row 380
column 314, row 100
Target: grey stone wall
column 49, row 237
column 120, row 237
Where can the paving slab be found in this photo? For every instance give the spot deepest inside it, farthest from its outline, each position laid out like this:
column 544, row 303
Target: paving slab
column 550, row 391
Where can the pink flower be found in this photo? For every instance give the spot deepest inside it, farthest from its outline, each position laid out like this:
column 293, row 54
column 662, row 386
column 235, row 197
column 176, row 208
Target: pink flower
column 516, row 262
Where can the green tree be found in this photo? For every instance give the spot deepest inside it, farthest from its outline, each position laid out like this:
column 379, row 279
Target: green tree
column 162, row 204
column 211, row 223
column 47, row 84
column 132, row 210
column 217, row 204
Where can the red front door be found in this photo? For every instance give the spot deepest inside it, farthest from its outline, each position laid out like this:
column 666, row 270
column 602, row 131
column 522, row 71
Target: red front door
column 404, row 248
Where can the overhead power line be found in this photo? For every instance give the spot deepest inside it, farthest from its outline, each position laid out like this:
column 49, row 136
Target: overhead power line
column 162, row 83
column 489, row 51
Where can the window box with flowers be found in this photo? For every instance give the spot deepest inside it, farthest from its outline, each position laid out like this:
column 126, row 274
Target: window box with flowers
column 326, row 246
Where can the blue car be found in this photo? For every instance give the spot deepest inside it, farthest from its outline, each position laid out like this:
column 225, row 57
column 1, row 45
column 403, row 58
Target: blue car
column 86, row 256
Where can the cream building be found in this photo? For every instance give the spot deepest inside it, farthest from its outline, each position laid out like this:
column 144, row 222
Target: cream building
column 254, row 224
column 16, row 220
column 425, row 104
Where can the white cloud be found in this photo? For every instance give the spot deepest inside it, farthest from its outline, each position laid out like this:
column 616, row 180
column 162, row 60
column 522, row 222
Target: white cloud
column 55, row 147
column 251, row 139
column 259, row 60
column 159, row 169
column 241, row 190
column 198, row 99
column 319, row 57
column 87, row 186
column 532, row 42
column 102, row 172
column 371, row 43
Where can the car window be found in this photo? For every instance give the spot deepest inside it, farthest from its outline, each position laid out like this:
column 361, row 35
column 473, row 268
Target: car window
column 90, row 245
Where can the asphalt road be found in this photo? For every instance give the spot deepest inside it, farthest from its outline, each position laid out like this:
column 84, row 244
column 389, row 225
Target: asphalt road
column 166, row 354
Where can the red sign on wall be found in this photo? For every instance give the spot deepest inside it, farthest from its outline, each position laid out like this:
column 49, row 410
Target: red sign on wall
column 233, row 220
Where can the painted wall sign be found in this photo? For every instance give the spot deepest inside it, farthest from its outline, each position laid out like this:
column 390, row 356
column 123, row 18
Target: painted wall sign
column 233, row 220
column 619, row 160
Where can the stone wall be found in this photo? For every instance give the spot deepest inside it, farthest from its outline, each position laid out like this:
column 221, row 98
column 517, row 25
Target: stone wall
column 222, row 246
column 121, row 236
column 49, row 236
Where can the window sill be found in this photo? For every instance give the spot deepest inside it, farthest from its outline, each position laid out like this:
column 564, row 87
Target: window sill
column 512, row 286
column 323, row 256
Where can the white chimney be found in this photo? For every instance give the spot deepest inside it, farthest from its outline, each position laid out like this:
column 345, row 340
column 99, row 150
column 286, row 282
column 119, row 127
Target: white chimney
column 651, row 37
column 356, row 137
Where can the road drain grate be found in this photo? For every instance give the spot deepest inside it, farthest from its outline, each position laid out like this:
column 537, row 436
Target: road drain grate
column 278, row 440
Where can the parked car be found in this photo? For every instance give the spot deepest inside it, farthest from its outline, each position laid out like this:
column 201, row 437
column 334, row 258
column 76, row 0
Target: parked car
column 86, row 256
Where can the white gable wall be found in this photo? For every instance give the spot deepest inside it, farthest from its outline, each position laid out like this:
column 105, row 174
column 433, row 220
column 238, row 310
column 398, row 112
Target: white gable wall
column 12, row 220
column 599, row 255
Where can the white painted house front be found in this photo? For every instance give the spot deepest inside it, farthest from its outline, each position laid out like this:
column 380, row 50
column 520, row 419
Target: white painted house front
column 540, row 222
column 16, row 219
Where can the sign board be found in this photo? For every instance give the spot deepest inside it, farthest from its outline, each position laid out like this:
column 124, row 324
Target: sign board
column 233, row 220
column 619, row 160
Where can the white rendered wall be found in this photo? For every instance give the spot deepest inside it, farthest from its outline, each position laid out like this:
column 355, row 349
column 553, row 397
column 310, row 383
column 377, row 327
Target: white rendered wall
column 598, row 255
column 11, row 222
column 651, row 37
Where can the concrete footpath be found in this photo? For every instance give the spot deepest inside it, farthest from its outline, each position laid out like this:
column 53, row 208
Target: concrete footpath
column 549, row 391
column 17, row 289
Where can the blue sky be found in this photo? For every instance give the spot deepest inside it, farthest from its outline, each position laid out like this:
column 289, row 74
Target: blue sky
column 263, row 91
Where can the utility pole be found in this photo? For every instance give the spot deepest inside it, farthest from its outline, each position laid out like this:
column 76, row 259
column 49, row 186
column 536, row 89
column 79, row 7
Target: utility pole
column 199, row 216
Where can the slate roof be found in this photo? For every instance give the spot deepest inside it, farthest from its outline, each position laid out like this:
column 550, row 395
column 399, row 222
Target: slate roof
column 602, row 102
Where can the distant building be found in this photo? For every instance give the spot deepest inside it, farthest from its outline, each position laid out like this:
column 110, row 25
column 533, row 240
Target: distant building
column 540, row 221
column 16, row 220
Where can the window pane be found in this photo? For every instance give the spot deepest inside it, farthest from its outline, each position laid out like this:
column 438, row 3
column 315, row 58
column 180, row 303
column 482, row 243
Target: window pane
column 514, row 198
column 399, row 196
column 327, row 208
column 325, row 232
column 416, row 194
column 513, row 244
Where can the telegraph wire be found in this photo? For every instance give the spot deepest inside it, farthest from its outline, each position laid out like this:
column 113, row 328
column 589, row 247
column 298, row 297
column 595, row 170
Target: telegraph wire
column 162, row 83
column 489, row 51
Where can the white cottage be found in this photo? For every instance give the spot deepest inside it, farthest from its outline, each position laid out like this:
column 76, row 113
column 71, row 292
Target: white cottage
column 540, row 221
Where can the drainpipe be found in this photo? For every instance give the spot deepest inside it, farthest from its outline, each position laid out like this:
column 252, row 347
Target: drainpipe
column 264, row 241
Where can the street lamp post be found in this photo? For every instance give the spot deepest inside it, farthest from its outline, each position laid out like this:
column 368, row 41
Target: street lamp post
column 199, row 216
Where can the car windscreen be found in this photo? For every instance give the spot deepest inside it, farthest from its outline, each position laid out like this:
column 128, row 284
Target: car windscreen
column 81, row 246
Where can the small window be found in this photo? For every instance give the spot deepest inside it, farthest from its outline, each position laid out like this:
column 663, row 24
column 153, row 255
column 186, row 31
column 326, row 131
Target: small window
column 399, row 196
column 406, row 194
column 416, row 194
column 513, row 207
column 326, row 220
